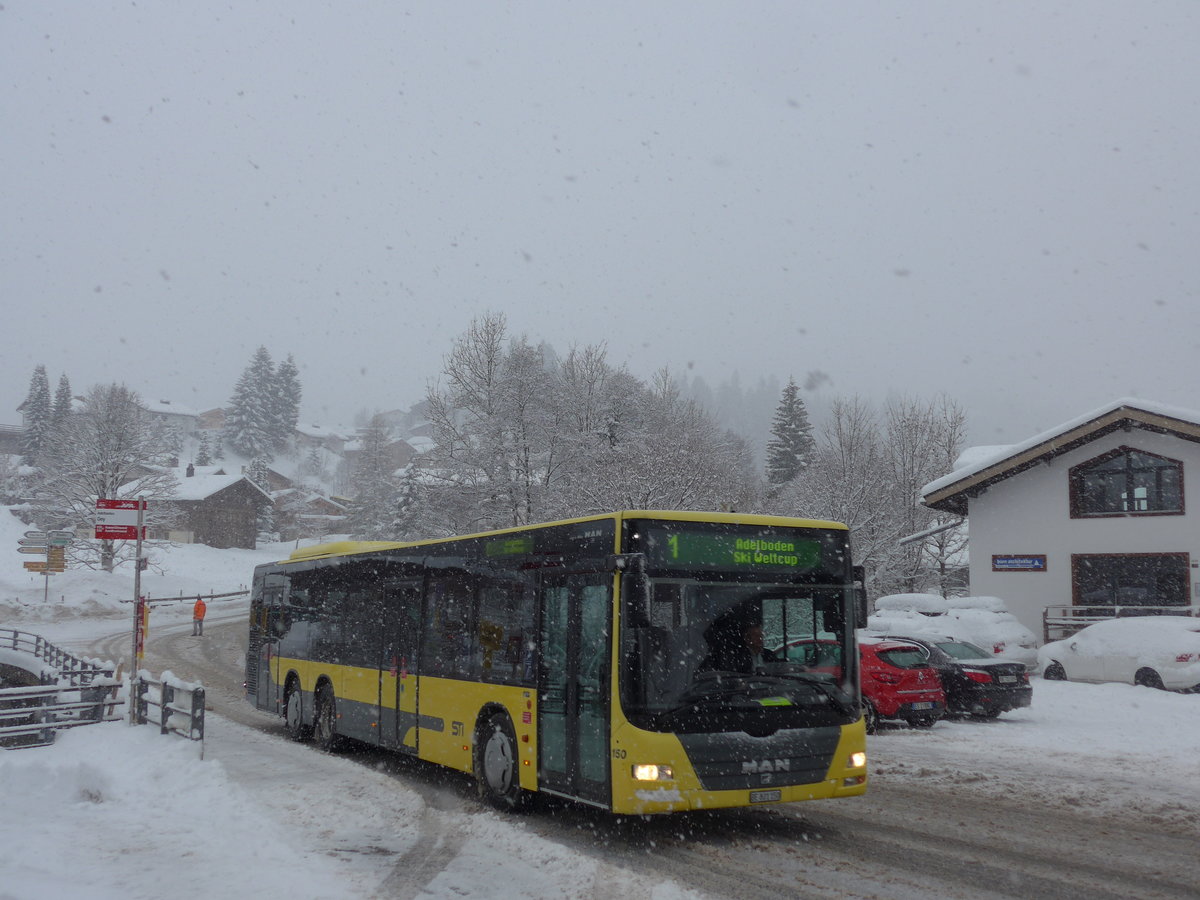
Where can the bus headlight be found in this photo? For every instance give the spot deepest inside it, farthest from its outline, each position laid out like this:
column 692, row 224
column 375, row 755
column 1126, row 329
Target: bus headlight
column 647, row 772
column 857, row 760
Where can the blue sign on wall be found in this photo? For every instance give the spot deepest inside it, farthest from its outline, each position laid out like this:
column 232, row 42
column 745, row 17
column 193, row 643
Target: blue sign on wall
column 1027, row 563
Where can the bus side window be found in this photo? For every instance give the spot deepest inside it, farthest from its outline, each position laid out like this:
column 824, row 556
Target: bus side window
column 449, row 644
column 506, row 619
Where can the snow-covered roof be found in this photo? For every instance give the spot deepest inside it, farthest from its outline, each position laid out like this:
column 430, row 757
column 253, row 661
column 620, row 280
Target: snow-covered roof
column 206, row 481
column 982, row 466
column 168, row 407
column 320, row 431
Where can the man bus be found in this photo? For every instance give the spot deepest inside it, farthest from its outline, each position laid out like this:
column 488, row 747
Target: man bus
column 576, row 658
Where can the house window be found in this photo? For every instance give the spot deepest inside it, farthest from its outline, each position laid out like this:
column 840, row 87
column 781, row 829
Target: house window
column 1127, row 482
column 1130, row 579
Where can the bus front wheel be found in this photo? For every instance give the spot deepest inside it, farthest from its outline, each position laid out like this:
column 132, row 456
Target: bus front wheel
column 496, row 764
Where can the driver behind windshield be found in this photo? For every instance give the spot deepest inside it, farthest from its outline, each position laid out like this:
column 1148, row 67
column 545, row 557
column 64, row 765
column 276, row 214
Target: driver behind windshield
column 745, row 653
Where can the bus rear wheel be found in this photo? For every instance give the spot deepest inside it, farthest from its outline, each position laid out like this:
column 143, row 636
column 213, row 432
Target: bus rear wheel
column 496, row 765
column 325, row 720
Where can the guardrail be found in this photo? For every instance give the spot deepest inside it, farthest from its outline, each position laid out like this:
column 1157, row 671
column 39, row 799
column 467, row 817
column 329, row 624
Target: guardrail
column 31, row 716
column 74, row 670
column 176, row 706
column 1059, row 622
column 182, row 597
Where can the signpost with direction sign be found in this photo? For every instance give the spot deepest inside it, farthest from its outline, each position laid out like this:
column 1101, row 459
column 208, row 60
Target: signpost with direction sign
column 50, row 544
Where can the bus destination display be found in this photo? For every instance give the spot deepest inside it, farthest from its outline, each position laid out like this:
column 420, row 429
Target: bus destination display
column 759, row 550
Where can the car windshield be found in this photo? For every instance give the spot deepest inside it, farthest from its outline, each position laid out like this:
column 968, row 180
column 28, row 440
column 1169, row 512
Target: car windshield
column 962, row 650
column 689, row 644
column 905, row 657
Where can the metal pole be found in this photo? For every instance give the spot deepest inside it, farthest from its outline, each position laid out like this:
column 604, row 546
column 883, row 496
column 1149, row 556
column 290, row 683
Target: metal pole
column 137, row 606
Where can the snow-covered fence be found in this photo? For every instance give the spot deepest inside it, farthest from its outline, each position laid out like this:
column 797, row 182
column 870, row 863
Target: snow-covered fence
column 176, row 706
column 31, row 716
column 55, row 664
column 70, row 691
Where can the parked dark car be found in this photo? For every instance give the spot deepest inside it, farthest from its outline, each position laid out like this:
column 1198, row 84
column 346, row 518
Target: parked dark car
column 976, row 683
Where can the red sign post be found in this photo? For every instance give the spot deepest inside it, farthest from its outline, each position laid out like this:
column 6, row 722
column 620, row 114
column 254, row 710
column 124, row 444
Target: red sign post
column 124, row 520
column 119, row 520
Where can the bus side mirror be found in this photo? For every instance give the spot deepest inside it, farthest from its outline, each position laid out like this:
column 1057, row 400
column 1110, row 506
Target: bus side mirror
column 859, row 576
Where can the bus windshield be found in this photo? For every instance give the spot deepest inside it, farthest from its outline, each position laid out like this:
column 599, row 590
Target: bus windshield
column 705, row 655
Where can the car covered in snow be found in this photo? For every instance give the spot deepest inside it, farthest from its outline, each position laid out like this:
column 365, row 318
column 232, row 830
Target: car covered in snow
column 983, row 621
column 1155, row 651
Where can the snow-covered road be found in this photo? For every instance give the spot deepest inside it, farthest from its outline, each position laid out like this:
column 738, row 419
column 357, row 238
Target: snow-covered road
column 1090, row 793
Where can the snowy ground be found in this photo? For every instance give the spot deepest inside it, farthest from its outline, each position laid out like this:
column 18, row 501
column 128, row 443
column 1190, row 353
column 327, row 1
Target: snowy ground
column 140, row 815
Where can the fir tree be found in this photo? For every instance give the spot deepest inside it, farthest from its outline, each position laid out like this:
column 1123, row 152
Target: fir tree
column 287, row 400
column 250, row 423
column 257, row 472
column 791, row 446
column 62, row 404
column 38, row 416
column 204, row 450
column 372, row 512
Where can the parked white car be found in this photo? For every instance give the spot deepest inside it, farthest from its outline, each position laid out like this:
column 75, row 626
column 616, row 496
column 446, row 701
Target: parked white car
column 1155, row 651
column 984, row 621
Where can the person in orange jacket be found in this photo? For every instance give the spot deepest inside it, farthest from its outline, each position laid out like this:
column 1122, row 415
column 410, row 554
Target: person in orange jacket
column 198, row 612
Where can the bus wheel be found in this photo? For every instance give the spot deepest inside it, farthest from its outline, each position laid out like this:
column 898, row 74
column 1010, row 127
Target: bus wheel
column 496, row 764
column 325, row 719
column 293, row 715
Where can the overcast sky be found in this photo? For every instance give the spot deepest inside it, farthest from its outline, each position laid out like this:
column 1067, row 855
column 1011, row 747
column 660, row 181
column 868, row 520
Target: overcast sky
column 997, row 200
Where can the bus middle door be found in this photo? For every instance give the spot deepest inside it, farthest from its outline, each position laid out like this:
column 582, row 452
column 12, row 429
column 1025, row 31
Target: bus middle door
column 398, row 665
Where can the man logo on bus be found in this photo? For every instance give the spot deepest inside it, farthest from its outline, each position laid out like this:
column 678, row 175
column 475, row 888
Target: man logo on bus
column 759, row 766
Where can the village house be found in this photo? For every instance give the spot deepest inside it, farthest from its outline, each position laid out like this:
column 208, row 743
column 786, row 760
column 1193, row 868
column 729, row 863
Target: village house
column 1086, row 520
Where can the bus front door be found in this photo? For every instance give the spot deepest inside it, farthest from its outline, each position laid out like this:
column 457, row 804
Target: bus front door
column 573, row 732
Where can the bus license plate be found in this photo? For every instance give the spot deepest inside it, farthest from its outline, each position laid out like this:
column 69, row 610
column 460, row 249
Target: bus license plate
column 765, row 796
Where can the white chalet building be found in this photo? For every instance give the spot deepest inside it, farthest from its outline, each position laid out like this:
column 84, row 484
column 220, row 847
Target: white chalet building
column 1088, row 519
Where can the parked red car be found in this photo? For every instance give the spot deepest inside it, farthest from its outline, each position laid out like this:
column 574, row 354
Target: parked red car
column 899, row 683
column 897, row 680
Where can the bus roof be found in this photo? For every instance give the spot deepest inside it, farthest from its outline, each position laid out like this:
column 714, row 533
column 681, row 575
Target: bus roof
column 343, row 548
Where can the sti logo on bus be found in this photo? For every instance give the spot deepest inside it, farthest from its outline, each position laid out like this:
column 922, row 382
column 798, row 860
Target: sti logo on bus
column 761, row 766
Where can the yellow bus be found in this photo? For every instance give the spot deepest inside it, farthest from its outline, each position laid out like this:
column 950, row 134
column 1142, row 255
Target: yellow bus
column 640, row 662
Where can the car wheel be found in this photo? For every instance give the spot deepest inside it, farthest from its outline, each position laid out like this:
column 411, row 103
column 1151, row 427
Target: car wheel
column 496, row 764
column 325, row 720
column 1148, row 678
column 293, row 714
column 870, row 717
column 1055, row 672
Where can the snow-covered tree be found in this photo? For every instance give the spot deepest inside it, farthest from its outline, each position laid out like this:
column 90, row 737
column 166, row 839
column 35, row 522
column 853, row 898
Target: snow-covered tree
column 38, row 414
column 373, row 510
column 287, row 401
column 257, row 472
column 111, row 449
column 791, row 445
column 204, row 450
column 251, row 423
column 62, row 403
